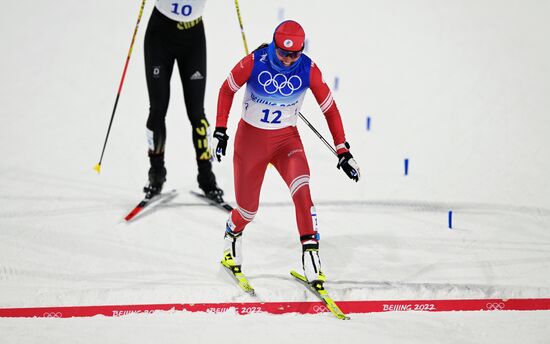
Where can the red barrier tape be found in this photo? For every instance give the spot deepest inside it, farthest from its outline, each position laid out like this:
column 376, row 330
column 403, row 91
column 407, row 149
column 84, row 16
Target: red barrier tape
column 286, row 307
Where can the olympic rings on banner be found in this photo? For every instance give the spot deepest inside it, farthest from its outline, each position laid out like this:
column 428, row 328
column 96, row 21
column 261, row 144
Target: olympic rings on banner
column 497, row 306
column 320, row 309
column 279, row 83
column 52, row 315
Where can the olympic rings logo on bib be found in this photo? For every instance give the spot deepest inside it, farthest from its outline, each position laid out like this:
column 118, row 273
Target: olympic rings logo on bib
column 279, row 83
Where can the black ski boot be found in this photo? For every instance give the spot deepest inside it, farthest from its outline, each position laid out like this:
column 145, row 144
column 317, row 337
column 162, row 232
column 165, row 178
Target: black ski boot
column 157, row 176
column 215, row 195
column 207, row 182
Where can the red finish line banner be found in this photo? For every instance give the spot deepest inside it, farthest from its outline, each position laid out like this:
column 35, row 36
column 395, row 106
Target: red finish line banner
column 244, row 308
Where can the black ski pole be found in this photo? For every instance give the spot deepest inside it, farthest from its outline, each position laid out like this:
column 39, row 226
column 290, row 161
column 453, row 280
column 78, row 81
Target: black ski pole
column 318, row 134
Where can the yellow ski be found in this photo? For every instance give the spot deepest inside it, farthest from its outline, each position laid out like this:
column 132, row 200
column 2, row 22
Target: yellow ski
column 239, row 277
column 319, row 290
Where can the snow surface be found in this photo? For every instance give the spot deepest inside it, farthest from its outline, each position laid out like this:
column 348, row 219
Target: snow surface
column 460, row 88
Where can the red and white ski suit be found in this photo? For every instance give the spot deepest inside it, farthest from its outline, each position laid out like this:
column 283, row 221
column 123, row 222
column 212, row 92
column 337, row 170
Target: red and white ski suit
column 256, row 144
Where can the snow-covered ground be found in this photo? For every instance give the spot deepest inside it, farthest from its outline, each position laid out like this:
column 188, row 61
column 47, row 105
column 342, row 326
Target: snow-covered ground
column 460, row 88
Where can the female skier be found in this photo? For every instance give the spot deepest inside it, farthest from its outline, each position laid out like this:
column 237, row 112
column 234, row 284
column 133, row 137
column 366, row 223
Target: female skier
column 277, row 77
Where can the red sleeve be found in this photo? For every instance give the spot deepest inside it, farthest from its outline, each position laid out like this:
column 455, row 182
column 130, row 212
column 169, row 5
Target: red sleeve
column 237, row 78
column 323, row 95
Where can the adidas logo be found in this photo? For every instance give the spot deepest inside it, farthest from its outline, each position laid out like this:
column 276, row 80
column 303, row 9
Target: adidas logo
column 196, row 76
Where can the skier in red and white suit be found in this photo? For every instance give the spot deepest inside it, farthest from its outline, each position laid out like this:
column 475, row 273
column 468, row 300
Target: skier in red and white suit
column 277, row 77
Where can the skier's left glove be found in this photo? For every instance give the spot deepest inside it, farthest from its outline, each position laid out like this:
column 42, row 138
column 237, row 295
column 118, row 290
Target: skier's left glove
column 219, row 142
column 349, row 165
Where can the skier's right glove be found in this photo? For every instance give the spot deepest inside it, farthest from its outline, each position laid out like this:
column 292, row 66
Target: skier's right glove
column 219, row 142
column 349, row 165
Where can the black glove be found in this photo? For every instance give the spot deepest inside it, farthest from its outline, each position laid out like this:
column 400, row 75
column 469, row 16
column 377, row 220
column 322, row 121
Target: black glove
column 220, row 142
column 349, row 165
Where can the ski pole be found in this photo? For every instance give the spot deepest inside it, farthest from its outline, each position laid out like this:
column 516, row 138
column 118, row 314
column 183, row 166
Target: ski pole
column 97, row 167
column 318, row 134
column 241, row 25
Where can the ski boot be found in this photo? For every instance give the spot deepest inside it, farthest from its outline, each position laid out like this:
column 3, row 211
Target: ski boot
column 232, row 252
column 232, row 259
column 311, row 264
column 157, row 176
column 207, row 182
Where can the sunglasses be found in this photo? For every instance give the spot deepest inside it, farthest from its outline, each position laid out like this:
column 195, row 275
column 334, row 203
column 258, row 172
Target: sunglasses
column 286, row 53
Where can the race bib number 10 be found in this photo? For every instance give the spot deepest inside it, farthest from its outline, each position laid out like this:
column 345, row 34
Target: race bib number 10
column 184, row 10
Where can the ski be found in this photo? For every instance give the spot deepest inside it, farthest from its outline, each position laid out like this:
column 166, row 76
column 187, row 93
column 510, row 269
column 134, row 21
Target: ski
column 223, row 206
column 147, row 202
column 322, row 294
column 239, row 277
